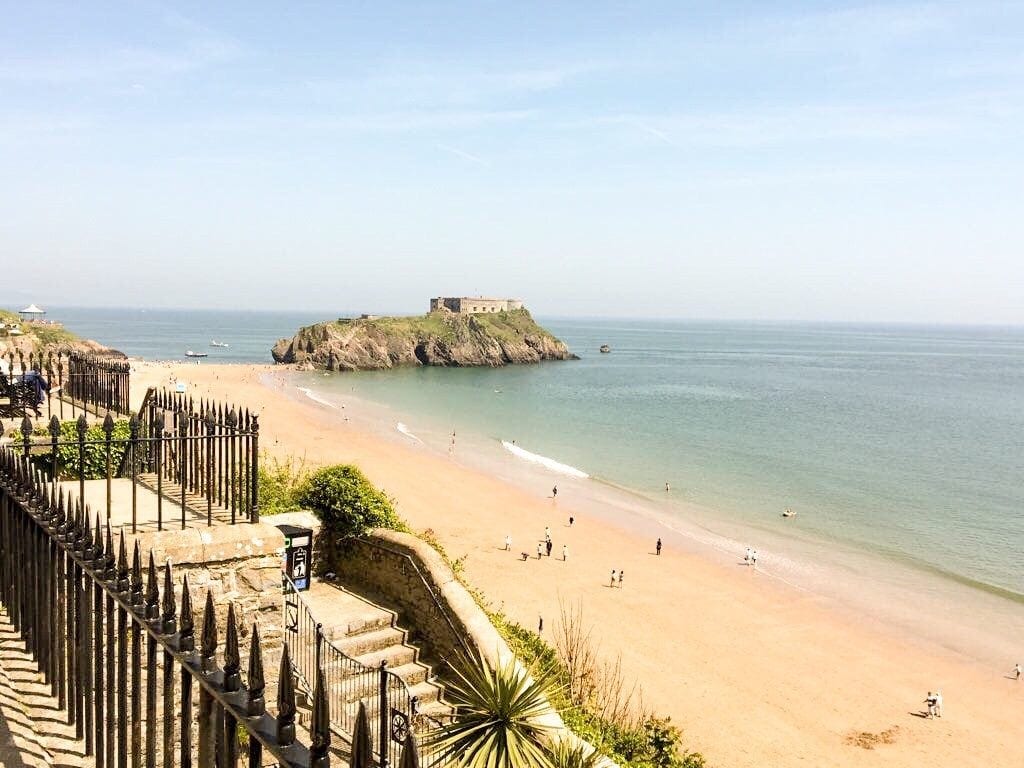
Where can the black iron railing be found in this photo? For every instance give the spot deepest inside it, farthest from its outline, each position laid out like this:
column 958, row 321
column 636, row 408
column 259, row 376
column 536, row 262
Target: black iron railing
column 87, row 619
column 392, row 708
column 70, row 382
column 205, row 462
column 214, row 450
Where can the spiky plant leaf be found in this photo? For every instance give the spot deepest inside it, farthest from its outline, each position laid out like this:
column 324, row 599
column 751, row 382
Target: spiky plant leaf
column 498, row 717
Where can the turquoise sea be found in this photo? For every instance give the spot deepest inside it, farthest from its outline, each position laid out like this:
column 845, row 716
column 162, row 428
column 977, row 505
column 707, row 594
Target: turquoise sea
column 899, row 447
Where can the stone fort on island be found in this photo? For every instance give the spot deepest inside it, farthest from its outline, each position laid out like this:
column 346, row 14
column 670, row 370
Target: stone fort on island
column 468, row 305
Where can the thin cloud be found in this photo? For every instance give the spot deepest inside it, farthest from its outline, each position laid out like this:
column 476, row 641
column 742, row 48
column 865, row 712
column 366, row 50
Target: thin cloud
column 468, row 156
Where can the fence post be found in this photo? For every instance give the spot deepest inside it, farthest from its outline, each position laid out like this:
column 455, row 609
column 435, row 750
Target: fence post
column 254, row 516
column 54, row 436
column 133, row 448
column 209, row 465
column 26, row 434
column 108, row 431
column 158, row 430
column 384, row 714
column 82, row 426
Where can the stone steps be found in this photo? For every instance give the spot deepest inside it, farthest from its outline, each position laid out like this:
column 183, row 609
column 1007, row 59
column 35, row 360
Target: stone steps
column 369, row 634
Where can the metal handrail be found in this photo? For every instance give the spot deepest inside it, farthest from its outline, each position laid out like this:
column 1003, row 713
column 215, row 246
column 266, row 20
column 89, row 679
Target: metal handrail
column 393, row 716
column 430, row 590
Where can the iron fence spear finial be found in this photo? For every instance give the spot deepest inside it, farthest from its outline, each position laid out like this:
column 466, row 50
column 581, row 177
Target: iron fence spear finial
column 169, row 624
column 152, row 591
column 320, row 729
column 208, row 641
column 136, row 588
column 256, row 705
column 186, row 637
column 232, row 659
column 285, row 702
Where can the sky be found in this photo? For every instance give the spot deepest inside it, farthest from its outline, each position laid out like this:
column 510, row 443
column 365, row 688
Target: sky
column 756, row 160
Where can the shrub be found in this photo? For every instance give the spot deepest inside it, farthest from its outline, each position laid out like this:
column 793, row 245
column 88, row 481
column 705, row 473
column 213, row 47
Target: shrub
column 95, row 467
column 280, row 482
column 346, row 502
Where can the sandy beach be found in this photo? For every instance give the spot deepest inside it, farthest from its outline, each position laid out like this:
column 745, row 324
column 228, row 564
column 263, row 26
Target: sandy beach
column 756, row 673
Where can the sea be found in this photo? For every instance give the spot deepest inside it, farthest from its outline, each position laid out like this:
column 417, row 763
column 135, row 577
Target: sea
column 900, row 448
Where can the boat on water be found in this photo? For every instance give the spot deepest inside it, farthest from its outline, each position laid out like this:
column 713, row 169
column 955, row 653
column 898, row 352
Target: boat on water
column 605, row 348
column 219, row 344
column 190, row 353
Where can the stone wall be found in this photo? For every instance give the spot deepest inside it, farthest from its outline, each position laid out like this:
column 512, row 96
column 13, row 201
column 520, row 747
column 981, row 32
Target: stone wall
column 239, row 565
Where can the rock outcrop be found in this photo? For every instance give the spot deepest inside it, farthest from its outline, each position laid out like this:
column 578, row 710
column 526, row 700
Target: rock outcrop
column 439, row 338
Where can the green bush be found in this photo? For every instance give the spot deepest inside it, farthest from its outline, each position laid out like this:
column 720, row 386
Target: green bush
column 280, row 481
column 95, row 451
column 346, row 502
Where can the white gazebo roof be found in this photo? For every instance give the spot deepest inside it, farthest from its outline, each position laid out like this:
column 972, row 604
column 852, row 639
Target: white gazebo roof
column 32, row 309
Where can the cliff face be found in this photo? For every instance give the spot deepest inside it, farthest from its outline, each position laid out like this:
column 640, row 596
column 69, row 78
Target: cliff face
column 439, row 338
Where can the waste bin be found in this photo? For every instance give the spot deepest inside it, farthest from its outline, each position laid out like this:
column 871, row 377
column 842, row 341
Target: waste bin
column 298, row 555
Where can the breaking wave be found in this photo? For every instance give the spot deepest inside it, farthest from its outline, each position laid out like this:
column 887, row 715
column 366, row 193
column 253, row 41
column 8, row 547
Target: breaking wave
column 544, row 461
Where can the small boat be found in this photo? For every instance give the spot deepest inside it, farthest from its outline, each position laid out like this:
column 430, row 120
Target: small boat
column 190, row 353
column 219, row 344
column 605, row 348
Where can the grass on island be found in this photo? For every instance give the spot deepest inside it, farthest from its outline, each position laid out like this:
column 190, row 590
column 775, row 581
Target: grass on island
column 511, row 325
column 592, row 698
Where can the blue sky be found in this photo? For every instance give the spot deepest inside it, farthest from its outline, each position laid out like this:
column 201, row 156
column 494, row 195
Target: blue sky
column 819, row 161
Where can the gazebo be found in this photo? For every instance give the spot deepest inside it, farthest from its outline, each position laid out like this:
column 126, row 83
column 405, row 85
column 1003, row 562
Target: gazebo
column 32, row 312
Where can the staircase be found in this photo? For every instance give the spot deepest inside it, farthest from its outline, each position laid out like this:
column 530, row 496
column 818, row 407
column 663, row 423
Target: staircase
column 369, row 634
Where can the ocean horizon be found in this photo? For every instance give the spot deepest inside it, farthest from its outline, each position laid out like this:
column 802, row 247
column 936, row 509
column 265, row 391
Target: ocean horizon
column 897, row 444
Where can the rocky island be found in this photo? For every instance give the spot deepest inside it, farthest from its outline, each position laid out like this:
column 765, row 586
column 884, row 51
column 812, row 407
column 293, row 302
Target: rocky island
column 456, row 332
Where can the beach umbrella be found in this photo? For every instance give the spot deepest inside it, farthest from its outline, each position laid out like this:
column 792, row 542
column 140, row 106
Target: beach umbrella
column 410, row 754
column 362, row 752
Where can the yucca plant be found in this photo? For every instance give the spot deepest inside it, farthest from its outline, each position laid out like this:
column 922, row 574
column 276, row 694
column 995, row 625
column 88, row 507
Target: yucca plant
column 564, row 754
column 497, row 720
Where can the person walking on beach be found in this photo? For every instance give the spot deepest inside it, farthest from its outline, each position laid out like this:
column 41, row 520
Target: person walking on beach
column 938, row 703
column 549, row 545
column 657, row 547
column 508, row 542
column 554, row 492
column 547, row 533
column 571, row 520
column 540, row 624
column 929, row 700
column 746, row 557
column 565, row 553
column 667, row 488
column 621, row 574
column 540, row 551
column 1016, row 672
column 613, row 578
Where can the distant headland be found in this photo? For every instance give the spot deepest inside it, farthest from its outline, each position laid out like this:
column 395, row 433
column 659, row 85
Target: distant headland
column 456, row 332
